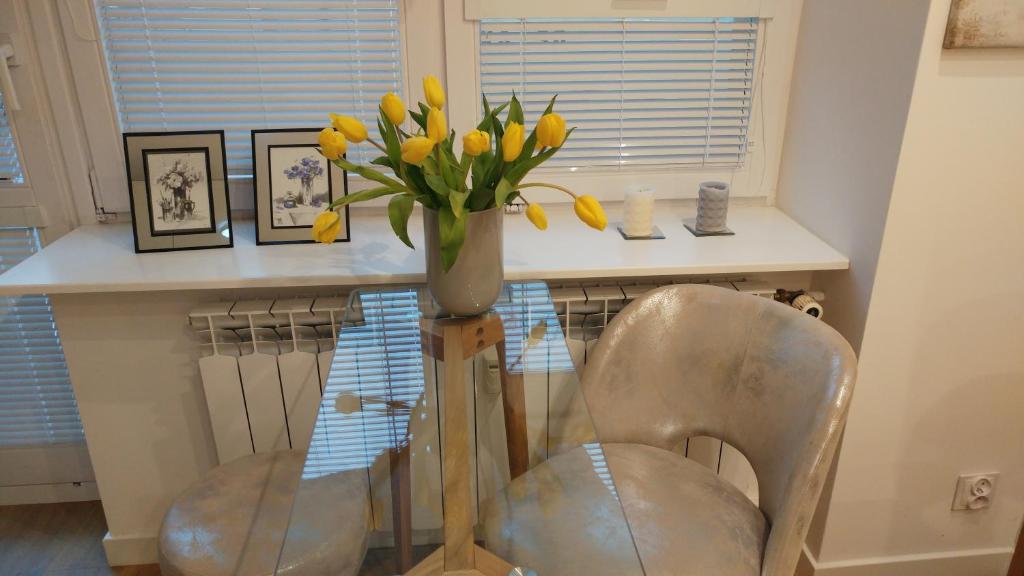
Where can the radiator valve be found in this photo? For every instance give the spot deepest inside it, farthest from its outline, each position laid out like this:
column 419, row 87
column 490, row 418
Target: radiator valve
column 806, row 302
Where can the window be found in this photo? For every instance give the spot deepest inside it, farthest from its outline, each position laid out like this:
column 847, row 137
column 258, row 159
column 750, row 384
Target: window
column 245, row 64
column 642, row 91
column 10, row 169
column 37, row 405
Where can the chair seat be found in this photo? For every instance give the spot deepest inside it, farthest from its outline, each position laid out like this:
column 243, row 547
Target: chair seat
column 233, row 521
column 559, row 520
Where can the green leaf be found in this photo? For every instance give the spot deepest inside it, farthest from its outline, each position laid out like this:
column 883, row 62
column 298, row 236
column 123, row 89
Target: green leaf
column 480, row 198
column 390, row 135
column 479, row 168
column 457, row 200
column 362, row 196
column 437, row 184
column 551, row 105
column 399, row 210
column 370, row 174
column 414, row 176
column 382, row 161
column 515, row 112
column 453, row 235
column 419, row 119
column 502, row 192
column 517, row 172
column 446, row 170
column 528, row 147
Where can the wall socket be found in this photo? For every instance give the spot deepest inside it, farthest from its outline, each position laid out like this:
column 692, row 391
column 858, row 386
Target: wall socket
column 975, row 491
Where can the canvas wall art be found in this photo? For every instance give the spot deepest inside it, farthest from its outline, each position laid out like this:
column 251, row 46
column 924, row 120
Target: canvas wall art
column 985, row 24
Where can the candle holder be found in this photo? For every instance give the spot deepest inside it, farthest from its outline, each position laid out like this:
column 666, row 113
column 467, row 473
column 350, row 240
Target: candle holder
column 656, row 234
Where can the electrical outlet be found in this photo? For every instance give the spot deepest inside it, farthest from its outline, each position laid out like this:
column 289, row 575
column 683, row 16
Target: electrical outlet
column 975, row 491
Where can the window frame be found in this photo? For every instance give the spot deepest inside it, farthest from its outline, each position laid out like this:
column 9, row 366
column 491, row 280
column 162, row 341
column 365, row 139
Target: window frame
column 754, row 180
column 441, row 37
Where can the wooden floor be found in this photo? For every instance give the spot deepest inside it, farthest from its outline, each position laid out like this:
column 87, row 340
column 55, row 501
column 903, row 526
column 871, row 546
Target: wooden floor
column 58, row 539
column 66, row 540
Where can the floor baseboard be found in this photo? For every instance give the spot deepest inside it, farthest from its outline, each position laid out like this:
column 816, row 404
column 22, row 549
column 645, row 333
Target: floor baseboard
column 130, row 550
column 981, row 562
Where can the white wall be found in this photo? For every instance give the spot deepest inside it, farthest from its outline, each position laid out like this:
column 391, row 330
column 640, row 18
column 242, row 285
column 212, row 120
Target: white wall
column 852, row 80
column 941, row 386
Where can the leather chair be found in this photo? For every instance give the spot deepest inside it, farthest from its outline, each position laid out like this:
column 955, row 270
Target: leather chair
column 679, row 362
column 234, row 521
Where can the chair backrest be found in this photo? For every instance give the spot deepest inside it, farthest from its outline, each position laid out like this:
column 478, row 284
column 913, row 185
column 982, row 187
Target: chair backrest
column 692, row 360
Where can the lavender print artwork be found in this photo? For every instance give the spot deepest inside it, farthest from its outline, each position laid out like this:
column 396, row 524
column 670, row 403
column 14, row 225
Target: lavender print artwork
column 298, row 186
column 179, row 192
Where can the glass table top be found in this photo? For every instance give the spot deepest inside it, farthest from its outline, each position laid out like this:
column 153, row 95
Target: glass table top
column 397, row 470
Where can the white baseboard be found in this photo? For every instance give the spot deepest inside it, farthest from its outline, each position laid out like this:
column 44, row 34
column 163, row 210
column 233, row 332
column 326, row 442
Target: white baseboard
column 130, row 550
column 981, row 562
column 48, row 493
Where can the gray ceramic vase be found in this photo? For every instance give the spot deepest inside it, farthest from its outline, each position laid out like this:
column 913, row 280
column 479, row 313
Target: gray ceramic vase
column 473, row 284
column 712, row 206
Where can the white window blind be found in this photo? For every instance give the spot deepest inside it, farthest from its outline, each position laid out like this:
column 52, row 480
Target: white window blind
column 645, row 91
column 239, row 65
column 37, row 405
column 10, row 169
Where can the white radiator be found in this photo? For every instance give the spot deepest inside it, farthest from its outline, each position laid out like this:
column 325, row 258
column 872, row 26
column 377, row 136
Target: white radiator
column 264, row 364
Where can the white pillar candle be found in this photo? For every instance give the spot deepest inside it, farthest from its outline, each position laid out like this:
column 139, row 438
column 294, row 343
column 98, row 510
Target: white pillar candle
column 638, row 212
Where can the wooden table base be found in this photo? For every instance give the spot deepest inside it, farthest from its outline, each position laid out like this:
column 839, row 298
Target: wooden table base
column 453, row 341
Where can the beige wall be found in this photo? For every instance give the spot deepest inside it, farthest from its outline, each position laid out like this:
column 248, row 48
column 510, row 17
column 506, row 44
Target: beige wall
column 941, row 387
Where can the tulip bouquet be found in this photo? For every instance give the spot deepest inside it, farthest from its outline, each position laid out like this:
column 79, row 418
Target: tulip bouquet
column 488, row 173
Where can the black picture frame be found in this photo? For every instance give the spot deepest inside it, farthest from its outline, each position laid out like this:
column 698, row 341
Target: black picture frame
column 137, row 147
column 263, row 142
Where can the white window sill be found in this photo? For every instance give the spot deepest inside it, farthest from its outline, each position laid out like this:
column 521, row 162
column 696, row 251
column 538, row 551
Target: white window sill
column 100, row 258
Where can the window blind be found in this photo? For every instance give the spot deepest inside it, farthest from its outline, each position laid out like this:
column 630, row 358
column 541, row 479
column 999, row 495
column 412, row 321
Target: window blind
column 10, row 169
column 37, row 405
column 240, row 65
column 642, row 91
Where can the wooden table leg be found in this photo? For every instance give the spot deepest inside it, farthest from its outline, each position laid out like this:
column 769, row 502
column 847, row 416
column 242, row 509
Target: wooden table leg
column 459, row 550
column 401, row 506
column 513, row 401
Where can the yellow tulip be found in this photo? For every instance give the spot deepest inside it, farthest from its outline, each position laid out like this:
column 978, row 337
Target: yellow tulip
column 437, row 125
column 415, row 149
column 590, row 211
column 536, row 215
column 326, row 227
column 512, row 142
column 476, row 142
column 332, row 143
column 393, row 108
column 433, row 91
column 353, row 129
column 551, row 130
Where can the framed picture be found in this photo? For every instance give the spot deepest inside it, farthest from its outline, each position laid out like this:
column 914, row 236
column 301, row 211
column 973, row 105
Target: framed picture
column 292, row 184
column 178, row 186
column 985, row 24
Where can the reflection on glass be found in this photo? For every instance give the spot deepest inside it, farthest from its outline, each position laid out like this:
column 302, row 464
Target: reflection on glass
column 376, row 445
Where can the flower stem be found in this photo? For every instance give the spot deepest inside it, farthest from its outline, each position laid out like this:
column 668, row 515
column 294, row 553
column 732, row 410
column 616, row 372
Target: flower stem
column 545, row 185
column 379, row 147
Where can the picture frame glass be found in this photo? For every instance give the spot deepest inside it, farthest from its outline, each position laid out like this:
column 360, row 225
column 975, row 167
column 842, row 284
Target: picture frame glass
column 299, row 185
column 179, row 191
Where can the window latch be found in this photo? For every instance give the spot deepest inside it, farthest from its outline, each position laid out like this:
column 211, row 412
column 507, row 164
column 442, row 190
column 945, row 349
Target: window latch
column 6, row 83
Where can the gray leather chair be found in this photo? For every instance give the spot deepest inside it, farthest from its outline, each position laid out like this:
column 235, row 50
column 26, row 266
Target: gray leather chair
column 679, row 362
column 233, row 521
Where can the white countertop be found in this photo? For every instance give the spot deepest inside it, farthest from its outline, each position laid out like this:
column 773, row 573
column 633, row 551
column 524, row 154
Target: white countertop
column 101, row 257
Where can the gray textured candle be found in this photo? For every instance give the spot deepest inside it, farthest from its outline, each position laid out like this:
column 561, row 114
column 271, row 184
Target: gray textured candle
column 712, row 206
